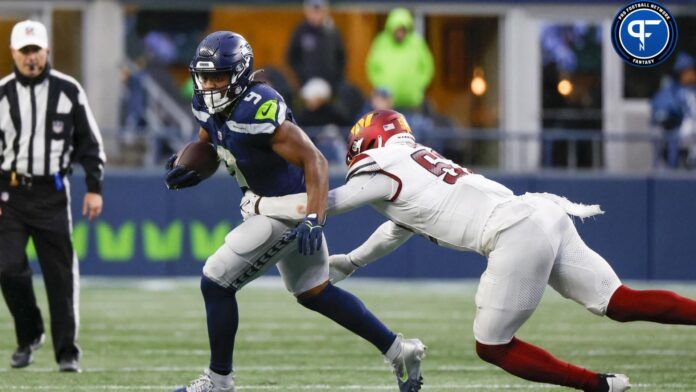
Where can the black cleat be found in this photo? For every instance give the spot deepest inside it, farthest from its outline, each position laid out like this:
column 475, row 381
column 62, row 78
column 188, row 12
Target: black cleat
column 69, row 365
column 23, row 356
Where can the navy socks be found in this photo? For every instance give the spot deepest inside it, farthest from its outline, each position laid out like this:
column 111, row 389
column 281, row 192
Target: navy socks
column 223, row 320
column 347, row 310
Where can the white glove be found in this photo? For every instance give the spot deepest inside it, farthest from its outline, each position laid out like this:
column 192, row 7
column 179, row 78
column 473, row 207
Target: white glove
column 248, row 204
column 340, row 267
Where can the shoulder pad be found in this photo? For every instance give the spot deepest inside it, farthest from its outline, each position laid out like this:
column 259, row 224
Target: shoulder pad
column 260, row 110
column 361, row 164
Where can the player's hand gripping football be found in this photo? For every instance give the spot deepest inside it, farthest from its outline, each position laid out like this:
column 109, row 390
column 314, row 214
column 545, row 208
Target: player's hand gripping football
column 340, row 267
column 179, row 176
column 249, row 204
column 309, row 235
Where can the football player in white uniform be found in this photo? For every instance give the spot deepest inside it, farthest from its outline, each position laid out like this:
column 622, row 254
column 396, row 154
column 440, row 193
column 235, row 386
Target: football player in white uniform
column 529, row 240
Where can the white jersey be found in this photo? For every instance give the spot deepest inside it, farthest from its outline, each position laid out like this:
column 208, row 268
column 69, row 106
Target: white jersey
column 436, row 198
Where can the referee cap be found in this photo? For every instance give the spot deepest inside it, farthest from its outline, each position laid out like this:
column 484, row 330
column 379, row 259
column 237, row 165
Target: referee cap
column 29, row 32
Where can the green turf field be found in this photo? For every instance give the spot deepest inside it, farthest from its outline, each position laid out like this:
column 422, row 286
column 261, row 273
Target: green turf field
column 150, row 335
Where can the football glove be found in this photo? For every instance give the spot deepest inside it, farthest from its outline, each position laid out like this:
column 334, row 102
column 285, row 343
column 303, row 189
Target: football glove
column 340, row 267
column 249, row 204
column 309, row 235
column 179, row 177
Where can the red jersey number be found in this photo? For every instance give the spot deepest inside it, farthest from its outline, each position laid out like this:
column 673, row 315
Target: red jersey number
column 439, row 165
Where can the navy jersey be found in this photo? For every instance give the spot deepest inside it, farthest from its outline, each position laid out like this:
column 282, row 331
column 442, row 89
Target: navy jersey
column 243, row 141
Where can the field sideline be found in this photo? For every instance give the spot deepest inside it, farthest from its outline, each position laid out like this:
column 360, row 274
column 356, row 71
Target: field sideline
column 149, row 335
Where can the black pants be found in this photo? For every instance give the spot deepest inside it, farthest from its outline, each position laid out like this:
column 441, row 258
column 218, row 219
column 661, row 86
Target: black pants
column 42, row 213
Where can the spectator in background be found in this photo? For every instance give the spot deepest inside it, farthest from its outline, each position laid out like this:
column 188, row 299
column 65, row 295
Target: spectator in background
column 400, row 60
column 134, row 99
column 674, row 111
column 321, row 119
column 316, row 48
column 381, row 99
column 420, row 122
column 318, row 109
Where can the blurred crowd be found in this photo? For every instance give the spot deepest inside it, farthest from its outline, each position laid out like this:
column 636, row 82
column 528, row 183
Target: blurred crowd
column 674, row 113
column 399, row 67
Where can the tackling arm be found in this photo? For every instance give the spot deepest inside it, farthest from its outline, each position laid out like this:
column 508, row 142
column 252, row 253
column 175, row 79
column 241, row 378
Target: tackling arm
column 387, row 238
column 358, row 191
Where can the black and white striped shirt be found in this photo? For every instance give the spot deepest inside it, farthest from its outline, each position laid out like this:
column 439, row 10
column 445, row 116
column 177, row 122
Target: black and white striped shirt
column 45, row 125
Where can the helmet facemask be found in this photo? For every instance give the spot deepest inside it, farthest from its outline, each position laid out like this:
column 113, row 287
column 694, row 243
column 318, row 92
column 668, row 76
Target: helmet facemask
column 218, row 99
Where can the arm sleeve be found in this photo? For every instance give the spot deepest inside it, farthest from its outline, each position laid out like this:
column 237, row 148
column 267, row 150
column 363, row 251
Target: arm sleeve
column 88, row 145
column 387, row 238
column 360, row 190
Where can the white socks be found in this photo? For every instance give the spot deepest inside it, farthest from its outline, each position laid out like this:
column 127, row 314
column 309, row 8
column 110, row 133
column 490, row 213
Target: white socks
column 394, row 349
column 220, row 381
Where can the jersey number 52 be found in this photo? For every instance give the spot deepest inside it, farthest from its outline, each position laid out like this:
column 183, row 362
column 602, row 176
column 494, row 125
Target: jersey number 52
column 439, row 165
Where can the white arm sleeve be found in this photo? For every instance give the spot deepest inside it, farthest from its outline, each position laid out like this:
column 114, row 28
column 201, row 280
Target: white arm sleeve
column 360, row 190
column 289, row 207
column 383, row 241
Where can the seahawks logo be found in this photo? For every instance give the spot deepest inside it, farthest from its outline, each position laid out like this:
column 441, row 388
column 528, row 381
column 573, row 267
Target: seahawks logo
column 206, row 52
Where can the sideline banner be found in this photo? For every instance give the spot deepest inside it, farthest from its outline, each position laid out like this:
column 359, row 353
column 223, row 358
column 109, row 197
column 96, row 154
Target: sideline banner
column 146, row 230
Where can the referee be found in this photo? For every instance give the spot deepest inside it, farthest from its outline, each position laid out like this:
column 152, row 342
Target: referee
column 45, row 125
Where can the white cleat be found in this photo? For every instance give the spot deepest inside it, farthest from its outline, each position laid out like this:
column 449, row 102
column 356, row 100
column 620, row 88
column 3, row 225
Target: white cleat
column 210, row 381
column 406, row 363
column 616, row 382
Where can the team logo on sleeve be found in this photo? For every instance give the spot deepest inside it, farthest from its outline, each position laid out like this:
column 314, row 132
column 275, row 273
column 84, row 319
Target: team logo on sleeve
column 267, row 111
column 644, row 33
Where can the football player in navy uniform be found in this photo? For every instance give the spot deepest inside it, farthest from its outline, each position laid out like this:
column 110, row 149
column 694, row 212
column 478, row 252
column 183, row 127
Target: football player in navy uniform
column 254, row 133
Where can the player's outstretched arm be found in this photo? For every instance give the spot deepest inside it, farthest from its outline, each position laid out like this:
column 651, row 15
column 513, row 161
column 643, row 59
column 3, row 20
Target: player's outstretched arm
column 387, row 238
column 358, row 191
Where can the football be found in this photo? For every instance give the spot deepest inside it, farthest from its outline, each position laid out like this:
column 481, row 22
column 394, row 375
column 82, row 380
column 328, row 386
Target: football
column 200, row 157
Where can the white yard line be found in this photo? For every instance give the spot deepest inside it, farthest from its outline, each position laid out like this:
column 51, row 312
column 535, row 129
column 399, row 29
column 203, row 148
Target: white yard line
column 320, row 387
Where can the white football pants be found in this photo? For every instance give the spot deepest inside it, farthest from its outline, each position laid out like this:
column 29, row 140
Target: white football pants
column 543, row 248
column 257, row 244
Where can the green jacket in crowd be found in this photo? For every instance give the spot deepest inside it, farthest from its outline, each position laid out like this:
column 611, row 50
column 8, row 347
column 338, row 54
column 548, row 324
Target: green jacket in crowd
column 405, row 68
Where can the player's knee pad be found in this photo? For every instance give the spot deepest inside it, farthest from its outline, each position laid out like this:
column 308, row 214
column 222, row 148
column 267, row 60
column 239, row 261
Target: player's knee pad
column 249, row 249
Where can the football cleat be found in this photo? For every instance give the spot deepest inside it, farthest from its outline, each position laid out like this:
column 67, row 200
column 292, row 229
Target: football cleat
column 23, row 356
column 615, row 382
column 407, row 364
column 69, row 365
column 205, row 383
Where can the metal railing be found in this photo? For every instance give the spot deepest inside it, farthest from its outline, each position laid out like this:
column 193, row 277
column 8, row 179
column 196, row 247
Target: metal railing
column 332, row 140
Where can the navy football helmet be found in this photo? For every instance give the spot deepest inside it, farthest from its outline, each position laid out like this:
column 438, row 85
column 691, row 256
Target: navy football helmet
column 227, row 53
